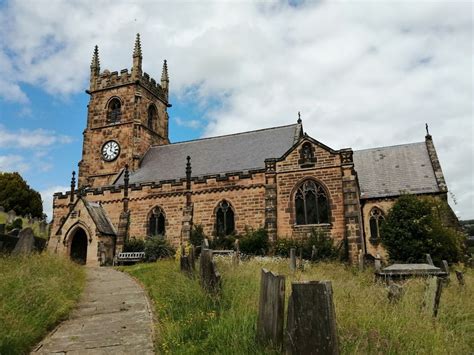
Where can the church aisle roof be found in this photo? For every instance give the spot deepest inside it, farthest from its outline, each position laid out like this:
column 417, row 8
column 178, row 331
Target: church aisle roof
column 216, row 155
column 390, row 171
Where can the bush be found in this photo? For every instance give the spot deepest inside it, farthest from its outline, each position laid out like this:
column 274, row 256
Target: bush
column 134, row 245
column 197, row 235
column 323, row 243
column 222, row 242
column 254, row 242
column 157, row 248
column 415, row 226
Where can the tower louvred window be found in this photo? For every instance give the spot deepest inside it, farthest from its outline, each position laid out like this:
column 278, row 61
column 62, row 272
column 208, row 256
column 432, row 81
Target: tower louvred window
column 114, row 111
column 151, row 117
column 224, row 219
column 156, row 223
column 311, row 204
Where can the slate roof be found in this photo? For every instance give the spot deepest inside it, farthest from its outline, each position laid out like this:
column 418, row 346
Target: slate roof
column 390, row 171
column 216, row 155
column 100, row 218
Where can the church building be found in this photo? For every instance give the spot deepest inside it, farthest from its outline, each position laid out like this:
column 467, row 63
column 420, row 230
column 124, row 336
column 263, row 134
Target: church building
column 133, row 182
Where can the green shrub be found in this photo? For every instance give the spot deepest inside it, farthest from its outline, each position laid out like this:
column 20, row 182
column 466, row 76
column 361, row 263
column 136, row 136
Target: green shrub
column 323, row 243
column 254, row 242
column 157, row 248
column 416, row 226
column 197, row 235
column 134, row 245
column 223, row 242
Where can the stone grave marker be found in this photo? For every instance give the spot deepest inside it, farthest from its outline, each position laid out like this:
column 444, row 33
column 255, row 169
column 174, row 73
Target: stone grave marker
column 11, row 216
column 395, row 292
column 26, row 242
column 314, row 253
column 271, row 309
column 432, row 296
column 311, row 323
column 429, row 260
column 293, row 259
column 377, row 263
column 42, row 227
column 361, row 260
column 2, row 209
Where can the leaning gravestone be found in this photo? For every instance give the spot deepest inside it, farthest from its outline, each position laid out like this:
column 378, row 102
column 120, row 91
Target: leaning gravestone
column 11, row 216
column 26, row 242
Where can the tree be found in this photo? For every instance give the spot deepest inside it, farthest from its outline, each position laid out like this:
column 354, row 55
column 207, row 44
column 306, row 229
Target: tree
column 416, row 226
column 16, row 195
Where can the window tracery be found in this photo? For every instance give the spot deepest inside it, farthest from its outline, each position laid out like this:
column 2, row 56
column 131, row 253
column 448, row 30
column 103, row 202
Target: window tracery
column 156, row 223
column 225, row 223
column 114, row 111
column 311, row 204
column 376, row 220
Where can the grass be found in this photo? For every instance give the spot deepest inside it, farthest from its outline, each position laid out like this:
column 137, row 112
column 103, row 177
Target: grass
column 190, row 322
column 36, row 292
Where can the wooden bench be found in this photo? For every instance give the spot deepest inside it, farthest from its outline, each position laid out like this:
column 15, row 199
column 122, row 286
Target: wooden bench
column 129, row 257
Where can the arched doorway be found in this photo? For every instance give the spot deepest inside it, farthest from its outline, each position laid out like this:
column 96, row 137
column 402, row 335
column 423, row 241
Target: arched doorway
column 79, row 246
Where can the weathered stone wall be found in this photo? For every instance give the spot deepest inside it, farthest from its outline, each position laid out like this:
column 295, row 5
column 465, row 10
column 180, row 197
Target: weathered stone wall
column 384, row 205
column 327, row 172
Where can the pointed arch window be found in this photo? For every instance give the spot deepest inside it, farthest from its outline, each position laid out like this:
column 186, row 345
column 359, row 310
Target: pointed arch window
column 311, row 204
column 376, row 220
column 225, row 223
column 114, row 111
column 151, row 117
column 157, row 223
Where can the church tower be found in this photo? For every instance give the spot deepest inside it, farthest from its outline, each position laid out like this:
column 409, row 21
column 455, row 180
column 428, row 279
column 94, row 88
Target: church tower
column 127, row 113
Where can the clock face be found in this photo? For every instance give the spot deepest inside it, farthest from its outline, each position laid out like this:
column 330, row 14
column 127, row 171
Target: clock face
column 110, row 150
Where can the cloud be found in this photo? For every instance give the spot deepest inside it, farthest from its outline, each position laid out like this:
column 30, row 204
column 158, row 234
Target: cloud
column 30, row 139
column 194, row 124
column 363, row 74
column 47, row 197
column 13, row 163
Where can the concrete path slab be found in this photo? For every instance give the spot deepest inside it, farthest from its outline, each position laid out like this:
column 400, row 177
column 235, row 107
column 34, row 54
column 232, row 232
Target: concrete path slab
column 112, row 317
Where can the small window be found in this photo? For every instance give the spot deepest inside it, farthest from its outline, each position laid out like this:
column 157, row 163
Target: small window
column 375, row 223
column 114, row 111
column 156, row 223
column 224, row 219
column 152, row 117
column 307, row 158
column 311, row 204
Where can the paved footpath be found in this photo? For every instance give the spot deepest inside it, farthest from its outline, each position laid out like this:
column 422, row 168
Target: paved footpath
column 112, row 317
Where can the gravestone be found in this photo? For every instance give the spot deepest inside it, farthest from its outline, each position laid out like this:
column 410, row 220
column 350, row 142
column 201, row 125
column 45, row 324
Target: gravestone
column 378, row 263
column 11, row 217
column 460, row 277
column 314, row 253
column 395, row 292
column 42, row 227
column 429, row 260
column 432, row 297
column 26, row 242
column 293, row 259
column 300, row 259
column 2, row 209
column 2, row 228
column 210, row 277
column 271, row 309
column 14, row 232
column 311, row 325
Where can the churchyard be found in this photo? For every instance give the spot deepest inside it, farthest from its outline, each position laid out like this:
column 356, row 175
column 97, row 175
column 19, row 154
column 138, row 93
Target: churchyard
column 190, row 319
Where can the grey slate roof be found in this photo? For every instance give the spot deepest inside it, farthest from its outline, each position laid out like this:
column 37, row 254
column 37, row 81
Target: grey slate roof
column 217, row 155
column 390, row 171
column 100, row 218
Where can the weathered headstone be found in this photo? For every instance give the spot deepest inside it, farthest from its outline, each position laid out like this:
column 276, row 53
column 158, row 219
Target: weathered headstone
column 395, row 292
column 42, row 227
column 429, row 260
column 314, row 253
column 210, row 277
column 311, row 325
column 293, row 259
column 205, row 244
column 377, row 263
column 361, row 260
column 236, row 255
column 460, row 277
column 271, row 309
column 26, row 242
column 433, row 295
column 11, row 216
column 2, row 228
column 192, row 257
column 300, row 259
column 445, row 267
column 185, row 266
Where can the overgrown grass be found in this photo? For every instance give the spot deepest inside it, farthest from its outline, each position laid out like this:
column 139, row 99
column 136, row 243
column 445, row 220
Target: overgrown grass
column 190, row 322
column 36, row 292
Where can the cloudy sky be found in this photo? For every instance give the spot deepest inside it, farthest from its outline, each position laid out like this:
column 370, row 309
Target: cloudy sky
column 363, row 74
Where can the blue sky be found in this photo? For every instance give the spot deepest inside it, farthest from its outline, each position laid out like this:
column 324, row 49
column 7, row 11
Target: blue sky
column 363, row 74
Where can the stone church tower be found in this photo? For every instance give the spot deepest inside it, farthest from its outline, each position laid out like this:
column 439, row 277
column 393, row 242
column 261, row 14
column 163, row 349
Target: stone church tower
column 127, row 113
